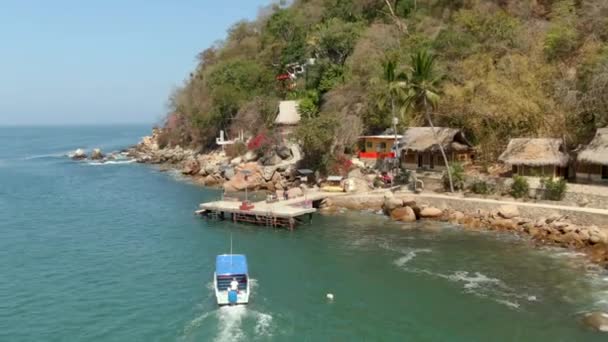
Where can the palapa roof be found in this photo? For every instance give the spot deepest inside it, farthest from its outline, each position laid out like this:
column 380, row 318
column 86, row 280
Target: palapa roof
column 535, row 152
column 288, row 113
column 597, row 150
column 422, row 139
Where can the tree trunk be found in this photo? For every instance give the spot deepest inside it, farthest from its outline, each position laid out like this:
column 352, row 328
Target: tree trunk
column 445, row 158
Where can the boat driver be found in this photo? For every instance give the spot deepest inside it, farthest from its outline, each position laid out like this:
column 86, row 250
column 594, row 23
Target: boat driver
column 234, row 285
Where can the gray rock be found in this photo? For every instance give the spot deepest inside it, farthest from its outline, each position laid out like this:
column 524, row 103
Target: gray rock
column 271, row 159
column 508, row 211
column 229, row 173
column 283, row 152
column 236, row 161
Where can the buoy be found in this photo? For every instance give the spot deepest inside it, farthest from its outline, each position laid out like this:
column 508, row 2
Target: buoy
column 330, row 296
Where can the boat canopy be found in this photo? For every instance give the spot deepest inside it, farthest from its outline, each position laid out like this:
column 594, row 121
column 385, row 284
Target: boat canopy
column 230, row 264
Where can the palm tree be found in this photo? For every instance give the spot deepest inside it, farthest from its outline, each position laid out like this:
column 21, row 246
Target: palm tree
column 423, row 94
column 396, row 91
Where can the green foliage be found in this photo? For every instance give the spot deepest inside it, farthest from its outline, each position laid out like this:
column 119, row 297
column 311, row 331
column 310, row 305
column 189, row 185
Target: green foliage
column 316, row 135
column 458, row 177
column 562, row 37
column 481, row 187
column 403, row 177
column 554, row 189
column 335, row 39
column 520, row 187
column 237, row 149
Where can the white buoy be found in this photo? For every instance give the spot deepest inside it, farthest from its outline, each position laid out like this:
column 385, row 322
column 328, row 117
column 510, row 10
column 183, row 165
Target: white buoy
column 330, row 296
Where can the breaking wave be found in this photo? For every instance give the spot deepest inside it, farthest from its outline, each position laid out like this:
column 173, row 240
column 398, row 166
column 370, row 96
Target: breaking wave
column 111, row 162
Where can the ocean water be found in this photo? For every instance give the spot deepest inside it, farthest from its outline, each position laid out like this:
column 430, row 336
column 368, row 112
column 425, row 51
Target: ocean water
column 114, row 253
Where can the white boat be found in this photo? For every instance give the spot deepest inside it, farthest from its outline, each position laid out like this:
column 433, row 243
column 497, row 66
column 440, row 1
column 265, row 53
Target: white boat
column 229, row 268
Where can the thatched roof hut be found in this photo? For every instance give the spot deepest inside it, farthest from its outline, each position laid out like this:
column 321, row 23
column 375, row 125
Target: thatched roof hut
column 422, row 139
column 535, row 152
column 288, row 113
column 597, row 150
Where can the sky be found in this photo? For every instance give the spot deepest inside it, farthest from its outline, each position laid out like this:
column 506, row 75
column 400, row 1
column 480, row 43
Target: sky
column 105, row 61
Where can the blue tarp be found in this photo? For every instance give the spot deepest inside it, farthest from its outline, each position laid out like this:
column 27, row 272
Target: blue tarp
column 230, row 264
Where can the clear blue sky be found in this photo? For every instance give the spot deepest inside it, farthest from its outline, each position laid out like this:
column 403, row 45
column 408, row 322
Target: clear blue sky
column 105, row 61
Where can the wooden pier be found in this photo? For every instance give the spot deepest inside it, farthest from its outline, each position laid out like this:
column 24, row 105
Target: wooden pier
column 282, row 213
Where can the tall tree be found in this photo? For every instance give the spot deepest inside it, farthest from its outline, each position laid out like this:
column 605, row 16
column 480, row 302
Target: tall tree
column 423, row 82
column 396, row 91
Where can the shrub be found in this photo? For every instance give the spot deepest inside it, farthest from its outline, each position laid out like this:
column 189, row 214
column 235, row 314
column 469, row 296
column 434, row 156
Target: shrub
column 458, row 177
column 554, row 190
column 520, row 187
column 403, row 177
column 481, row 187
column 237, row 149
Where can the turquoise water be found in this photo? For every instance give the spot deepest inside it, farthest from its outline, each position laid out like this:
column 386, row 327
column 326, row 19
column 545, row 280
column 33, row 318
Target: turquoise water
column 114, row 253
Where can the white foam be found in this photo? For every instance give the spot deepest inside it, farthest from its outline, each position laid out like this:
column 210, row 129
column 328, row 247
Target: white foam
column 472, row 282
column 111, row 162
column 262, row 327
column 50, row 155
column 508, row 303
column 230, row 319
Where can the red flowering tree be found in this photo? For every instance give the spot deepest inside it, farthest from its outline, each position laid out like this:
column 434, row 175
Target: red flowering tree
column 261, row 143
column 341, row 165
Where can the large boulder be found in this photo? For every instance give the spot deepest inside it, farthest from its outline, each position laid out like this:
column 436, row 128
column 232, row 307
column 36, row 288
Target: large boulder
column 96, row 154
column 403, row 214
column 228, row 173
column 597, row 320
column 283, row 152
column 391, row 203
column 270, row 159
column 191, row 167
column 250, row 156
column 236, row 161
column 79, row 154
column 430, row 212
column 252, row 180
column 508, row 211
column 357, row 185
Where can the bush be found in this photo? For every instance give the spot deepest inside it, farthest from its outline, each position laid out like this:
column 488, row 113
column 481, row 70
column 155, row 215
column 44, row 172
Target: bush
column 520, row 187
column 458, row 177
column 403, row 177
column 237, row 149
column 554, row 190
column 481, row 187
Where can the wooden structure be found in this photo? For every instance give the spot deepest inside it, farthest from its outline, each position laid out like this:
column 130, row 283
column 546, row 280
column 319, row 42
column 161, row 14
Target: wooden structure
column 419, row 148
column 377, row 146
column 286, row 213
column 536, row 157
column 592, row 160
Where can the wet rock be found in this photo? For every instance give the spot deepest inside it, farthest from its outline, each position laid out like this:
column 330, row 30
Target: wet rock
column 210, row 180
column 391, row 203
column 597, row 320
column 79, row 154
column 456, row 216
column 504, row 224
column 403, row 214
column 508, row 211
column 191, row 167
column 96, row 154
column 430, row 212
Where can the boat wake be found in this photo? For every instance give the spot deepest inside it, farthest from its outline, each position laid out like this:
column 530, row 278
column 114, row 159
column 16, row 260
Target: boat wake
column 48, row 156
column 233, row 323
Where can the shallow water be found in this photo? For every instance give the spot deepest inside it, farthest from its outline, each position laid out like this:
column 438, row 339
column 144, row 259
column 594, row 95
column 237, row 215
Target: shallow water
column 113, row 253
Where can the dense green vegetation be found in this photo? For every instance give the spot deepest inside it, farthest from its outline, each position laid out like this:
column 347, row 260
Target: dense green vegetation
column 502, row 68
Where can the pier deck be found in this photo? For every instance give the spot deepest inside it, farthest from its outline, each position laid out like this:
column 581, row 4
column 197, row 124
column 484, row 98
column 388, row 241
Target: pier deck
column 282, row 213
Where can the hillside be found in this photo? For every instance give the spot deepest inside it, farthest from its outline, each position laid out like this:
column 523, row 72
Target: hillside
column 502, row 69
